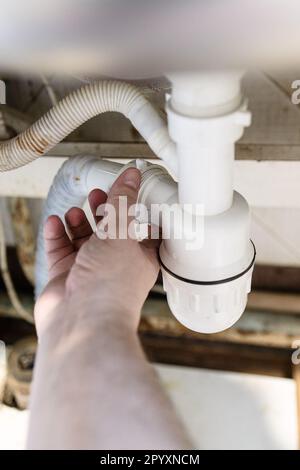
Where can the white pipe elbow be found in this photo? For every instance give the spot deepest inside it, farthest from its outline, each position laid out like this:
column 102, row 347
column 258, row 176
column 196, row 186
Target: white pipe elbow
column 77, row 177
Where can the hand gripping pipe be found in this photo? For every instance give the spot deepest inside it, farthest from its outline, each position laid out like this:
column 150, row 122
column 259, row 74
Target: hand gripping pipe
column 78, row 176
column 224, row 260
column 206, row 273
column 79, row 107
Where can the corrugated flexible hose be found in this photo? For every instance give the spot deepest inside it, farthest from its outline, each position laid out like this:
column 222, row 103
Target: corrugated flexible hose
column 80, row 106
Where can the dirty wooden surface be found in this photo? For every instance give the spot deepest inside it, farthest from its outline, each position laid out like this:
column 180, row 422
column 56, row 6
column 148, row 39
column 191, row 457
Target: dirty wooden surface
column 261, row 342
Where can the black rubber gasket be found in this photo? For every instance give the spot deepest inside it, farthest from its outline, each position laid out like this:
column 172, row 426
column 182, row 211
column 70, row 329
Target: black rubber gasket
column 210, row 283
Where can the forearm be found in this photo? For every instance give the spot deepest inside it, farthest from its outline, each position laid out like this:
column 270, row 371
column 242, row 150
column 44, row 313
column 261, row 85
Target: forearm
column 93, row 388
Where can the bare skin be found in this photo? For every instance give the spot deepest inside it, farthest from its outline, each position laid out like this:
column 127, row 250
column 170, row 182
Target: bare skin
column 93, row 387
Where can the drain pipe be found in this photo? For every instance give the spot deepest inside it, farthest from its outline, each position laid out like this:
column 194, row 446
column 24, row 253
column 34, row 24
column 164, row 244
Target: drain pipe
column 206, row 116
column 207, row 285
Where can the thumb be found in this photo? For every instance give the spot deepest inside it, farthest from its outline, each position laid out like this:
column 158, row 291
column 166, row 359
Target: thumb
column 122, row 195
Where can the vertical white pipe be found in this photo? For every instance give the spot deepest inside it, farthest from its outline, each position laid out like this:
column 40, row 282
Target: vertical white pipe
column 206, row 116
column 206, row 176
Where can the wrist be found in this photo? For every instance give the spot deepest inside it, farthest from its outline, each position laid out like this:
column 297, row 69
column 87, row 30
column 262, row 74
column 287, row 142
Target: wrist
column 87, row 316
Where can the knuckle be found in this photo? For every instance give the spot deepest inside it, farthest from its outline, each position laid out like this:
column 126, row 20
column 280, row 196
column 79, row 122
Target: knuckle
column 124, row 190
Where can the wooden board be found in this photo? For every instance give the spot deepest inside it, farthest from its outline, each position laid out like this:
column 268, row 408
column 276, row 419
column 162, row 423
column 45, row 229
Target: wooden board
column 273, row 135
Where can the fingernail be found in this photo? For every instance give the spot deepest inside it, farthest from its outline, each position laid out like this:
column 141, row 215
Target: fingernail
column 132, row 178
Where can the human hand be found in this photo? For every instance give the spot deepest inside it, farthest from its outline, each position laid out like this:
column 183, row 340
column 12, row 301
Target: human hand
column 111, row 275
